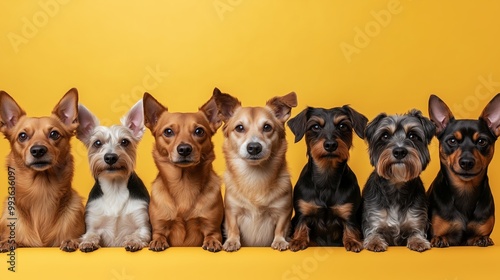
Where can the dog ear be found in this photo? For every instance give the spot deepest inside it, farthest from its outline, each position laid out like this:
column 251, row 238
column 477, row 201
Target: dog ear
column 67, row 109
column 226, row 104
column 212, row 113
column 282, row 106
column 152, row 110
column 87, row 122
column 371, row 127
column 10, row 112
column 491, row 115
column 134, row 119
column 439, row 113
column 358, row 121
column 427, row 124
column 298, row 123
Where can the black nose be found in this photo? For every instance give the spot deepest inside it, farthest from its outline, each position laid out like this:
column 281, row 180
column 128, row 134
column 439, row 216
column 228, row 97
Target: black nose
column 184, row 150
column 110, row 158
column 399, row 153
column 330, row 145
column 38, row 151
column 254, row 148
column 467, row 163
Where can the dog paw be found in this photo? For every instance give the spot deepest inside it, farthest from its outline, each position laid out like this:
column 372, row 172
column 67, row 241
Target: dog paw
column 353, row 246
column 158, row 245
column 481, row 241
column 298, row 244
column 6, row 247
column 69, row 245
column 231, row 245
column 280, row 245
column 133, row 245
column 376, row 246
column 88, row 247
column 212, row 245
column 418, row 245
column 439, row 242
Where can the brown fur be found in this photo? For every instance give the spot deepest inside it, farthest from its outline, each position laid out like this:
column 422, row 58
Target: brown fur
column 49, row 212
column 258, row 197
column 186, row 207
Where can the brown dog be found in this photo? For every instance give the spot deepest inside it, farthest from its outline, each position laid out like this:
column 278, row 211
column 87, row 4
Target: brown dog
column 258, row 198
column 49, row 212
column 186, row 207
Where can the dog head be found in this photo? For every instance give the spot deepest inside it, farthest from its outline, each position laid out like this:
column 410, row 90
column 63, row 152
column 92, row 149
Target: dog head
column 44, row 142
column 254, row 132
column 466, row 147
column 328, row 133
column 182, row 139
column 398, row 145
column 111, row 150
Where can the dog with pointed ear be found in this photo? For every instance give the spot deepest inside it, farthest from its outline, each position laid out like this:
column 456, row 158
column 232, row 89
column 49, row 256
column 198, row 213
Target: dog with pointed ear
column 258, row 197
column 49, row 211
column 327, row 184
column 116, row 214
column 461, row 206
column 186, row 202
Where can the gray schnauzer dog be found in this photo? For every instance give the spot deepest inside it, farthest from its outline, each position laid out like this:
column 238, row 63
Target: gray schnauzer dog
column 394, row 201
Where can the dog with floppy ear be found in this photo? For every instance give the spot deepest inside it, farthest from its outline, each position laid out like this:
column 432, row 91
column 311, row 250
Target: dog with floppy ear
column 186, row 206
column 49, row 211
column 258, row 197
column 116, row 213
column 327, row 197
column 462, row 210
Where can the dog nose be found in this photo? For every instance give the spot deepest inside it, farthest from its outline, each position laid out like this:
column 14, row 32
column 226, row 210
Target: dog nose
column 399, row 153
column 110, row 158
column 184, row 149
column 38, row 151
column 467, row 163
column 330, row 146
column 254, row 148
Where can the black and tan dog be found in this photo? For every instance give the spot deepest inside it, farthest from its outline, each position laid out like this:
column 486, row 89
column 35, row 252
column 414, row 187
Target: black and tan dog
column 394, row 202
column 327, row 195
column 461, row 210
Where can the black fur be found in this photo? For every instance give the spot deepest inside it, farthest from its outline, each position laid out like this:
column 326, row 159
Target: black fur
column 327, row 187
column 135, row 186
column 460, row 194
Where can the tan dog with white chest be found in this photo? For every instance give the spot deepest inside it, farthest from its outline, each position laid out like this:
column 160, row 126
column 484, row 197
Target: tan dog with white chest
column 186, row 207
column 258, row 197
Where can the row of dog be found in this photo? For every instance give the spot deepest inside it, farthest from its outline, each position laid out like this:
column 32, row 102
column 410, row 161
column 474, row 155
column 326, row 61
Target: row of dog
column 186, row 208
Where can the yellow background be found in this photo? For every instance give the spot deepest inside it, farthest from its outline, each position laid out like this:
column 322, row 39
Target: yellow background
column 378, row 56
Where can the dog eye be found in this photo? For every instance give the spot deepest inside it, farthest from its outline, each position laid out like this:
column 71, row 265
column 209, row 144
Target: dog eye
column 97, row 143
column 267, row 128
column 22, row 137
column 343, row 127
column 199, row 132
column 413, row 136
column 482, row 142
column 384, row 136
column 124, row 142
column 54, row 135
column 168, row 132
column 239, row 128
column 315, row 127
column 452, row 142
